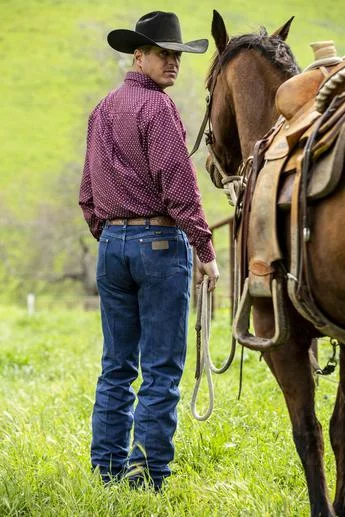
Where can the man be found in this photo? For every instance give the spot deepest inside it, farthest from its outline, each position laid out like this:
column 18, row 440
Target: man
column 140, row 199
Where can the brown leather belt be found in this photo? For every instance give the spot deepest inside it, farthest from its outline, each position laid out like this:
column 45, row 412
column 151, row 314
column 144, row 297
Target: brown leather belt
column 159, row 220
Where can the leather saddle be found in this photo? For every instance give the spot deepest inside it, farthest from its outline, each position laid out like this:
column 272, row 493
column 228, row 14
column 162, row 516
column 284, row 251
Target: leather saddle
column 306, row 147
column 283, row 155
column 295, row 101
column 328, row 153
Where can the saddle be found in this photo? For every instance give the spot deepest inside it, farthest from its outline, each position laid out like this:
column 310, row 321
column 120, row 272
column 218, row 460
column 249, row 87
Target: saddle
column 328, row 154
column 303, row 162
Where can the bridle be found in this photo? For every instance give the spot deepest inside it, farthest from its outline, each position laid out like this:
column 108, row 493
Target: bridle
column 232, row 184
column 206, row 120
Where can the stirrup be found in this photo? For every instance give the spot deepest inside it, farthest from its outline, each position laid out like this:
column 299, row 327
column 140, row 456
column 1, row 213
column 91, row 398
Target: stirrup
column 242, row 320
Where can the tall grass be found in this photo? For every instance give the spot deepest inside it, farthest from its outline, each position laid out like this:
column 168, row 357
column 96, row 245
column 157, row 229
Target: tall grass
column 240, row 462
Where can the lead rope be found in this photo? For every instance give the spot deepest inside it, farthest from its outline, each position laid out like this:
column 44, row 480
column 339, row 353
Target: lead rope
column 202, row 327
column 204, row 361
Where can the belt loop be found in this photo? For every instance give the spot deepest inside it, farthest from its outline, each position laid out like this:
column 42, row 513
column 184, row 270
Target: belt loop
column 125, row 223
column 147, row 223
column 106, row 224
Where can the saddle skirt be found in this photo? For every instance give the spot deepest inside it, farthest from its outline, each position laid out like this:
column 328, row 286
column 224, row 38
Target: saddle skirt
column 283, row 156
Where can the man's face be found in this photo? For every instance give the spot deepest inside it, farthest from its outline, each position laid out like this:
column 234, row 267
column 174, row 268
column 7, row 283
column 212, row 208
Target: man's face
column 159, row 64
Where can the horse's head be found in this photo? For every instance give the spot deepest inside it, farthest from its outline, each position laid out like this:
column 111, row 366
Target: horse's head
column 243, row 79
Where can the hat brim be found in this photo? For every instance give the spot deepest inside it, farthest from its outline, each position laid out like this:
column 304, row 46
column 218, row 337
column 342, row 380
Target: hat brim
column 124, row 40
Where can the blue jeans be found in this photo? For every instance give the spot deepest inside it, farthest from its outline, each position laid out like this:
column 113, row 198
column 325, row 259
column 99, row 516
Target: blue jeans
column 143, row 277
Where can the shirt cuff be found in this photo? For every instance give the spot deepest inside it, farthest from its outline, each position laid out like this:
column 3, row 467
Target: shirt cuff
column 206, row 252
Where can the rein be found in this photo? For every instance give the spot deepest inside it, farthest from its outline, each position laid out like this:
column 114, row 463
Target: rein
column 204, row 361
column 206, row 118
column 233, row 185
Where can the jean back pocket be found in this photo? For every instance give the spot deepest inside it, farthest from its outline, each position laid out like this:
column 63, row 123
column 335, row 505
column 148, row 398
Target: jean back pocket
column 160, row 256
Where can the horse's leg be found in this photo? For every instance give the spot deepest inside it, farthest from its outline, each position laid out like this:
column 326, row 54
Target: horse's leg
column 337, row 434
column 291, row 367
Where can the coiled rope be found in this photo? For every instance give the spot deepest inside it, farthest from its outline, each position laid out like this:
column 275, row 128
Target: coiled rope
column 204, row 361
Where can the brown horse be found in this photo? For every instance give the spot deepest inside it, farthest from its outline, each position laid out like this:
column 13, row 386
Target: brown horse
column 244, row 77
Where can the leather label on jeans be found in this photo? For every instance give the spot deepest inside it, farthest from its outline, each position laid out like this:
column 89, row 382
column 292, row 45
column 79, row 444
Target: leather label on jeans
column 160, row 245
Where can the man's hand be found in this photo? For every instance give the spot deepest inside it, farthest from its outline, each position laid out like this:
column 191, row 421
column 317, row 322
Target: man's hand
column 211, row 270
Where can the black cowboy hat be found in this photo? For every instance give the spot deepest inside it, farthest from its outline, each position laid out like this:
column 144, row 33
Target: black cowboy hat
column 157, row 28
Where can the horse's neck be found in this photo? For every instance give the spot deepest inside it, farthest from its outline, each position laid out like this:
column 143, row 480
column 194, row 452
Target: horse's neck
column 253, row 83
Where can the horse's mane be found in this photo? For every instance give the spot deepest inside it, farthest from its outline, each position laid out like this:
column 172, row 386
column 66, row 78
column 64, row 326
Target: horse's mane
column 272, row 47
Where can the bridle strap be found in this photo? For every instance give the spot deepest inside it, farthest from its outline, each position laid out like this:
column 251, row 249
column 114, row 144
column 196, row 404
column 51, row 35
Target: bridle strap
column 203, row 126
column 207, row 112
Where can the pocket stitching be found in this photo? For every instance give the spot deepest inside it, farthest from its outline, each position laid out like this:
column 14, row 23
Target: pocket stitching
column 100, row 272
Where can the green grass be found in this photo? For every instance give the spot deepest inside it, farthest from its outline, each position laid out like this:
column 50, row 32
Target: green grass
column 241, row 462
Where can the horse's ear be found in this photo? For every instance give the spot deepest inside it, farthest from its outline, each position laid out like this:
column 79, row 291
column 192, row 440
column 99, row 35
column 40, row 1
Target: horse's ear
column 283, row 31
column 219, row 33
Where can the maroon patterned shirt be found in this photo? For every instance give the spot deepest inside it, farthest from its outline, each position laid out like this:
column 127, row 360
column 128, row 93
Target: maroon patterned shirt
column 137, row 163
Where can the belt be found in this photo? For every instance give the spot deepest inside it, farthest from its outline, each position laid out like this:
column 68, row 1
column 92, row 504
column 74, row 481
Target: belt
column 159, row 220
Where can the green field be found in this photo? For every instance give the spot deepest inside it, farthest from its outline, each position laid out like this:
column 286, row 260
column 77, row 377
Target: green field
column 241, row 462
column 55, row 66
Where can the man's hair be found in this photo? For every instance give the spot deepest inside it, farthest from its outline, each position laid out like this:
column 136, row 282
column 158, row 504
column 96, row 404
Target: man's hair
column 146, row 48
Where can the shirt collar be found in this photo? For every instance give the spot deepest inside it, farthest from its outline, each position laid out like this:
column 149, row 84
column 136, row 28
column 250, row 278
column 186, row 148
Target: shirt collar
column 142, row 79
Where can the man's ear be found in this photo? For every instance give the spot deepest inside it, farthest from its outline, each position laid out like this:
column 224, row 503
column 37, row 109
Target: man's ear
column 137, row 58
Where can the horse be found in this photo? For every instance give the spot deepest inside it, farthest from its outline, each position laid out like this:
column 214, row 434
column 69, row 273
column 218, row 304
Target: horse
column 243, row 79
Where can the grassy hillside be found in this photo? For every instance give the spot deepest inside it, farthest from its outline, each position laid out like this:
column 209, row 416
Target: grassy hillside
column 55, row 65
